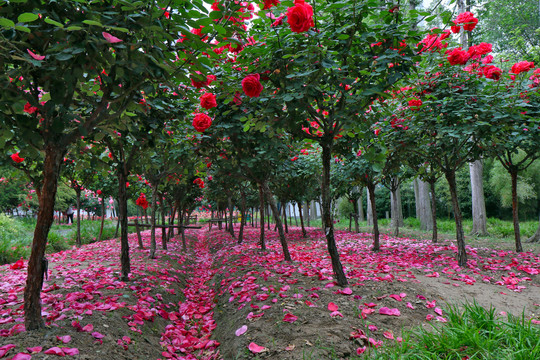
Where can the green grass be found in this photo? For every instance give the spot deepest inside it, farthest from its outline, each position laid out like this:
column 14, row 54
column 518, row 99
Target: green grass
column 470, row 333
column 15, row 239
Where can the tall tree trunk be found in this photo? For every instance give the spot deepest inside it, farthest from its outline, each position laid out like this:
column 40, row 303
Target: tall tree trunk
column 460, row 238
column 357, row 209
column 327, row 220
column 231, row 212
column 102, row 219
column 139, row 237
column 78, row 241
column 181, row 222
column 243, row 216
column 515, row 213
column 261, row 209
column 424, row 205
column 275, row 211
column 163, row 229
column 369, row 212
column 285, row 217
column 307, row 213
column 394, row 211
column 295, row 216
column 478, row 203
column 37, row 264
column 304, row 233
column 152, row 254
column 123, row 220
column 433, row 211
column 171, row 220
column 376, row 235
column 360, row 209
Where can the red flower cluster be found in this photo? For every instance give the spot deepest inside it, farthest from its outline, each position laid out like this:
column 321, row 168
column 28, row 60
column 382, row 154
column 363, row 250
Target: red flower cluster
column 433, row 42
column 199, row 182
column 269, row 3
column 142, row 202
column 466, row 19
column 16, row 158
column 201, row 122
column 415, row 104
column 476, row 51
column 300, row 16
column 199, row 84
column 29, row 109
column 492, row 72
column 458, row 57
column 522, row 66
column 208, row 101
column 252, row 86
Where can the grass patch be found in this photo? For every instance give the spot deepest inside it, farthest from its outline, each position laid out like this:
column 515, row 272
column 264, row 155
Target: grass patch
column 470, row 333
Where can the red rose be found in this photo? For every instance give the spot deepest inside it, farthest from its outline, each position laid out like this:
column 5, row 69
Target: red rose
column 208, row 101
column 414, row 104
column 99, row 192
column 458, row 57
column 522, row 66
column 300, row 16
column 269, row 3
column 201, row 122
column 16, row 158
column 492, row 72
column 199, row 182
column 252, row 86
column 467, row 19
column 455, row 29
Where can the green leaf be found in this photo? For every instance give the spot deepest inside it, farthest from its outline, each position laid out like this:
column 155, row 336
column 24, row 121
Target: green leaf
column 73, row 28
column 93, row 22
column 343, row 37
column 121, row 29
column 27, row 17
column 6, row 23
column 22, row 28
column 55, row 23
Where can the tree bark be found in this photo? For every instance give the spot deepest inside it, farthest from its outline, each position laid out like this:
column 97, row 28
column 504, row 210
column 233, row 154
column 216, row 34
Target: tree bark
column 357, row 206
column 304, row 233
column 424, row 205
column 376, row 235
column 433, row 211
column 515, row 213
column 231, row 211
column 277, row 217
column 327, row 220
column 163, row 229
column 139, row 237
column 369, row 212
column 243, row 219
column 283, row 205
column 261, row 209
column 78, row 241
column 478, row 203
column 360, row 209
column 460, row 238
column 37, row 264
column 102, row 219
column 152, row 254
column 306, row 213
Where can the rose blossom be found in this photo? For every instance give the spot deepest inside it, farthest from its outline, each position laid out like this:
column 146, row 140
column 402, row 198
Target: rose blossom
column 492, row 72
column 458, row 57
column 16, row 158
column 201, row 122
column 414, row 104
column 522, row 66
column 252, row 86
column 300, row 16
column 208, row 101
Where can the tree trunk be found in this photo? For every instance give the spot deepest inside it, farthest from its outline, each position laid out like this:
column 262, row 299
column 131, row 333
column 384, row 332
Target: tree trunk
column 360, row 209
column 369, row 212
column 306, row 213
column 102, row 219
column 78, row 241
column 515, row 213
column 139, row 237
column 536, row 236
column 304, row 233
column 327, row 220
column 357, row 206
column 478, row 203
column 460, row 238
column 123, row 220
column 433, row 211
column 285, row 217
column 376, row 235
column 275, row 211
column 163, row 229
column 231, row 211
column 37, row 264
column 152, row 254
column 261, row 202
column 424, row 205
column 394, row 211
column 243, row 217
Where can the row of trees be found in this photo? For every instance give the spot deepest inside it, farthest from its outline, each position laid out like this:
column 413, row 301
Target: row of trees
column 186, row 95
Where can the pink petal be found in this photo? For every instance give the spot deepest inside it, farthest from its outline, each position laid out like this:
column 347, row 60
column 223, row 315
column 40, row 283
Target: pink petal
column 242, row 330
column 347, row 291
column 65, row 339
column 332, row 307
column 4, row 349
column 360, row 350
column 34, row 350
column 389, row 312
column 98, row 335
column 111, row 38
column 290, row 318
column 254, row 348
column 370, row 305
column 71, row 351
column 88, row 327
column 410, row 306
column 438, row 311
column 388, row 335
column 373, row 328
column 55, row 351
column 336, row 313
column 35, row 56
column 22, row 356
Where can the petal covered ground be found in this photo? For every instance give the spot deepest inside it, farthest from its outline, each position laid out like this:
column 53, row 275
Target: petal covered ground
column 223, row 300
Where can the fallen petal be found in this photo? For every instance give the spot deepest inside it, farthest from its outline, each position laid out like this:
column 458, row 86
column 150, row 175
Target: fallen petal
column 242, row 330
